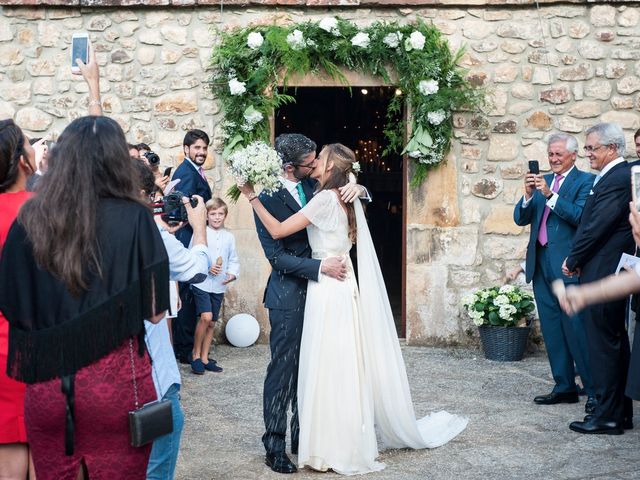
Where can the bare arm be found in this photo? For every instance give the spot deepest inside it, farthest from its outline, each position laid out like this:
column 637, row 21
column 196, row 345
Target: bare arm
column 91, row 75
column 276, row 229
column 611, row 288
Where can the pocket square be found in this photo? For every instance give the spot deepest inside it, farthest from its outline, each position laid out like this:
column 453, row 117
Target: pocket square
column 590, row 192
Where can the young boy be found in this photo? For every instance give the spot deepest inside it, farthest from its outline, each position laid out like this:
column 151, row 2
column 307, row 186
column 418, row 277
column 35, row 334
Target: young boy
column 208, row 295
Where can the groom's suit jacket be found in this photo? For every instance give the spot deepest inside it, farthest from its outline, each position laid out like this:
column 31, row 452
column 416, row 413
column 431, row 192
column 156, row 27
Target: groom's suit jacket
column 562, row 222
column 290, row 257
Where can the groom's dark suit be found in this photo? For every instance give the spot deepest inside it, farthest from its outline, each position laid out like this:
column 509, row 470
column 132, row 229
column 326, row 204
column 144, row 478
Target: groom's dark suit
column 564, row 336
column 603, row 235
column 285, row 298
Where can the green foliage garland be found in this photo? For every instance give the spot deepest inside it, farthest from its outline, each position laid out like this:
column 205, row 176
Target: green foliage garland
column 250, row 63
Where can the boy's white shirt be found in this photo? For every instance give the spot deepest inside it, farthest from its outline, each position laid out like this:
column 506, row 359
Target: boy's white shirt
column 220, row 243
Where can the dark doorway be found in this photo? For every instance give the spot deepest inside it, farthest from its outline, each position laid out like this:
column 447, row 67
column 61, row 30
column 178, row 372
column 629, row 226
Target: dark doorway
column 357, row 118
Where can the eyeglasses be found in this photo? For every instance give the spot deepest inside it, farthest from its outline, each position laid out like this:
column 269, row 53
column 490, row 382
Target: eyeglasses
column 590, row 149
column 309, row 165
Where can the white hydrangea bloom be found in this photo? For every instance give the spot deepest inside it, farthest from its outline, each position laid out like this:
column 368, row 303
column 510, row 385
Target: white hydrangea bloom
column 296, row 40
column 392, row 40
column 506, row 311
column 255, row 40
column 428, row 87
column 501, row 300
column 437, row 117
column 507, row 289
column 415, row 154
column 361, row 39
column 330, row 24
column 236, row 87
column 252, row 116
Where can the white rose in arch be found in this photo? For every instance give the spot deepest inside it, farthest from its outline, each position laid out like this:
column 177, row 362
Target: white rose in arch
column 427, row 87
column 361, row 40
column 392, row 40
column 329, row 24
column 236, row 87
column 437, row 117
column 255, row 40
column 296, row 40
column 417, row 39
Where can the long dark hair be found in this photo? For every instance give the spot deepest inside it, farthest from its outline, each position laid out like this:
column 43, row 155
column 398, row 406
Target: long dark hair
column 89, row 162
column 343, row 159
column 11, row 148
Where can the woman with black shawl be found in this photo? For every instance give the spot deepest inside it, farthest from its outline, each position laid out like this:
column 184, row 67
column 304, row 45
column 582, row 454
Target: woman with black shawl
column 81, row 269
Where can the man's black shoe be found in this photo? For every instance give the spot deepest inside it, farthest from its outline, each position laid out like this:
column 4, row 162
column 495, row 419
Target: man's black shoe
column 590, row 406
column 627, row 424
column 556, row 397
column 294, row 448
column 594, row 426
column 279, row 462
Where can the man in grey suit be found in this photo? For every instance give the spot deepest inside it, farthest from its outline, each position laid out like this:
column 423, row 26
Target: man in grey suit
column 552, row 204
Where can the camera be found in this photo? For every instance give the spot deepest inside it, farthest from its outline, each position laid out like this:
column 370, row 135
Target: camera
column 152, row 158
column 171, row 209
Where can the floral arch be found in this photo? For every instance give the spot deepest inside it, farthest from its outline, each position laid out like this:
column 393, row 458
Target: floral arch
column 249, row 64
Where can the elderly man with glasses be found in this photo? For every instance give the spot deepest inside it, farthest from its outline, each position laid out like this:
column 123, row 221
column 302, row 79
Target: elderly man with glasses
column 603, row 235
column 552, row 204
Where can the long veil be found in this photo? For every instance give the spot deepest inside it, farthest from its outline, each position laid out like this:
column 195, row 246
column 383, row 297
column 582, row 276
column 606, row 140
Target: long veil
column 384, row 366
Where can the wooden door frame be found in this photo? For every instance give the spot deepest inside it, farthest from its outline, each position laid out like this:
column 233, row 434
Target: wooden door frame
column 356, row 79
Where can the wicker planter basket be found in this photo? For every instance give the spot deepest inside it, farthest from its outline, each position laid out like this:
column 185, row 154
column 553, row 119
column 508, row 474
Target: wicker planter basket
column 504, row 344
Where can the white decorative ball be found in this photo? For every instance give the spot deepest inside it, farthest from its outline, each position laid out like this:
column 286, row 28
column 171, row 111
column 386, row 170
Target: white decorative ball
column 242, row 330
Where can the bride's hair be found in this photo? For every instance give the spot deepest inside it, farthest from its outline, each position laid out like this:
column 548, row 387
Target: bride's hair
column 343, row 159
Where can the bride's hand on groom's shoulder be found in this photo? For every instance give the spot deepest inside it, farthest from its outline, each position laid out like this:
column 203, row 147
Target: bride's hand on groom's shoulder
column 351, row 191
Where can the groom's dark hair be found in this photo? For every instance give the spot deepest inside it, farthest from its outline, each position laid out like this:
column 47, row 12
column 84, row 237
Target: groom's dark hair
column 293, row 147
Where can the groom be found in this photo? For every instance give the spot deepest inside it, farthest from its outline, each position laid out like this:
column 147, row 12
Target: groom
column 286, row 291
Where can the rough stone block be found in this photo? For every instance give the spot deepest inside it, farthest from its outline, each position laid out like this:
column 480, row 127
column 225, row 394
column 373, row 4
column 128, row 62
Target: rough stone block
column 627, row 120
column 446, row 246
column 585, row 109
column 598, row 89
column 500, row 221
column 33, row 119
column 603, row 16
column 489, row 188
column 178, row 103
column 502, row 148
column 504, row 248
column 539, row 120
column 628, row 84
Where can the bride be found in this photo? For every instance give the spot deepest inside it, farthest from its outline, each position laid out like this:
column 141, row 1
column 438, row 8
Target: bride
column 352, row 376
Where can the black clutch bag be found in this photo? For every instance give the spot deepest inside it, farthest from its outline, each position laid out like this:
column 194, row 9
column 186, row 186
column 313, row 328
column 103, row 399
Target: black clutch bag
column 153, row 420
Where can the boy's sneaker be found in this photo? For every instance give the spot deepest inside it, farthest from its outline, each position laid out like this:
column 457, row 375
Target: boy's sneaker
column 197, row 367
column 212, row 366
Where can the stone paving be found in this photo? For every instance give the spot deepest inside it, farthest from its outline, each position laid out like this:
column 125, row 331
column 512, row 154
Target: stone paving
column 508, row 437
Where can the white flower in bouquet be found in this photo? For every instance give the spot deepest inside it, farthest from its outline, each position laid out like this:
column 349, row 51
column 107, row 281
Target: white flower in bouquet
column 330, row 24
column 392, row 40
column 501, row 300
column 236, row 87
column 506, row 311
column 257, row 163
column 507, row 289
column 355, row 166
column 415, row 41
column 360, row 39
column 436, row 118
column 296, row 40
column 428, row 87
column 255, row 40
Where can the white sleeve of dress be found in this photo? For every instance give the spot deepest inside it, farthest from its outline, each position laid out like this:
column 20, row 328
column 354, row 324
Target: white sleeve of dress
column 322, row 211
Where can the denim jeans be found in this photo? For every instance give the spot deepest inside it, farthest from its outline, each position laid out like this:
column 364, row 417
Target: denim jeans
column 162, row 462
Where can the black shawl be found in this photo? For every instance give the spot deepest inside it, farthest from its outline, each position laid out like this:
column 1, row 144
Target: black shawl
column 53, row 333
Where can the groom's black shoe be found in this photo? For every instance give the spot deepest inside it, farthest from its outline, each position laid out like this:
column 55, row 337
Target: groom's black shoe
column 294, row 448
column 557, row 397
column 279, row 462
column 627, row 424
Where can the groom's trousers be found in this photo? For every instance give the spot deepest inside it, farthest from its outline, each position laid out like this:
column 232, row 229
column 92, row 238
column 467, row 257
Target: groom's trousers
column 281, row 382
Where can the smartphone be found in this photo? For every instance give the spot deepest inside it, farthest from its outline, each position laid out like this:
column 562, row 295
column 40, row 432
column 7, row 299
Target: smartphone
column 635, row 185
column 167, row 171
column 79, row 49
column 534, row 167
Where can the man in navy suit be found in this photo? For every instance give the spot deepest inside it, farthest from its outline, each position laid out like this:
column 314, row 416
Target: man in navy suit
column 552, row 205
column 603, row 235
column 285, row 295
column 192, row 182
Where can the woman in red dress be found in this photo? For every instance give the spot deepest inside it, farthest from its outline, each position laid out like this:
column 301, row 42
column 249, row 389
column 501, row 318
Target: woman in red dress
column 17, row 163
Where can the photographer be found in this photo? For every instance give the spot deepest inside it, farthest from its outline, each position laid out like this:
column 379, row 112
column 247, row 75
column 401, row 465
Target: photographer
column 185, row 265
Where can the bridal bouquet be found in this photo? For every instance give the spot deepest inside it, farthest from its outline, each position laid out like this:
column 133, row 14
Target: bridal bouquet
column 504, row 306
column 257, row 163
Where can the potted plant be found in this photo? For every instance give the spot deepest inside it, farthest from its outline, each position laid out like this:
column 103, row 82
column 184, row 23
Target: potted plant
column 503, row 317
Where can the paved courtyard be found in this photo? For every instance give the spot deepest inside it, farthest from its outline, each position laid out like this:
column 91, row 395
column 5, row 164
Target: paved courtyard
column 508, row 437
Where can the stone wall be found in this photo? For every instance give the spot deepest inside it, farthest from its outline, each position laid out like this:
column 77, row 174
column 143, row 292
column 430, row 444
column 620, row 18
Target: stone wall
column 563, row 68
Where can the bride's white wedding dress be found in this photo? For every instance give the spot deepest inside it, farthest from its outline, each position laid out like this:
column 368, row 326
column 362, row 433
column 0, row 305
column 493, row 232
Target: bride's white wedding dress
column 352, row 381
